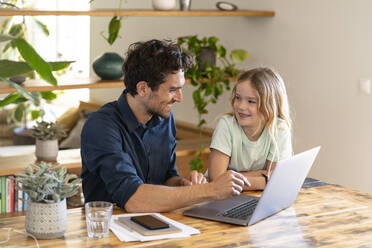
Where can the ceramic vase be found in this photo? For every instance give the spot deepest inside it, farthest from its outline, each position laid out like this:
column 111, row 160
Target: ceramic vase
column 46, row 150
column 109, row 66
column 163, row 4
column 207, row 55
column 46, row 220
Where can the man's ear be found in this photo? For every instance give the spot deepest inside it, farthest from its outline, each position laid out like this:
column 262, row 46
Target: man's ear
column 142, row 88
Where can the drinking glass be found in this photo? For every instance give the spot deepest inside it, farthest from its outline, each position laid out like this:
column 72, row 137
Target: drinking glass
column 98, row 215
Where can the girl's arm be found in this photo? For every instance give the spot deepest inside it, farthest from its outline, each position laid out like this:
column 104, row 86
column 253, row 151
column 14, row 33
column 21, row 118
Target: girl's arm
column 258, row 182
column 217, row 164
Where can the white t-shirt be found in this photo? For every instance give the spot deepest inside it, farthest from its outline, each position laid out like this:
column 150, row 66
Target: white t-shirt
column 245, row 155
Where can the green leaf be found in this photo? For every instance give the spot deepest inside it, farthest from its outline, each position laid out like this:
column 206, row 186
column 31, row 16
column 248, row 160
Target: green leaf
column 9, row 99
column 201, row 123
column 114, row 28
column 239, row 55
column 20, row 90
column 35, row 61
column 42, row 26
column 16, row 30
column 48, row 95
column 9, row 68
column 196, row 164
column 35, row 114
column 5, row 24
column 4, row 37
column 60, row 65
column 18, row 113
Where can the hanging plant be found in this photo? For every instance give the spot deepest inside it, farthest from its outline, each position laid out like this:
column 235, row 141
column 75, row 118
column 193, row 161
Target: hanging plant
column 209, row 79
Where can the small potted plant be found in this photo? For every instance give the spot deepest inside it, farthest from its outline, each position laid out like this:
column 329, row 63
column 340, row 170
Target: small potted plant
column 47, row 135
column 47, row 188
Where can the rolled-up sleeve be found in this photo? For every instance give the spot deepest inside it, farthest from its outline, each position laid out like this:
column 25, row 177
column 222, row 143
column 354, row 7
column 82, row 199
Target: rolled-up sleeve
column 104, row 157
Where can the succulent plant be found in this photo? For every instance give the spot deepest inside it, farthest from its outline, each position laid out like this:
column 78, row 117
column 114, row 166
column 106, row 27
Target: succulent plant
column 45, row 183
column 48, row 131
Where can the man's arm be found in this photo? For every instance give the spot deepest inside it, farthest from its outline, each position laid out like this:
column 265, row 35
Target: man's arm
column 159, row 198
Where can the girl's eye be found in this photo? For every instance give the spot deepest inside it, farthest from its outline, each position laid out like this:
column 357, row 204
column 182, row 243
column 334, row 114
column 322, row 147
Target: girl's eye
column 252, row 102
column 237, row 97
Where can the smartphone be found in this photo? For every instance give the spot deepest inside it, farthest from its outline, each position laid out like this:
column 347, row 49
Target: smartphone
column 150, row 222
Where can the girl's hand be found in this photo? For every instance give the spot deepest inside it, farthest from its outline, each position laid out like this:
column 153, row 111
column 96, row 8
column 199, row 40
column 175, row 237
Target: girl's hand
column 194, row 178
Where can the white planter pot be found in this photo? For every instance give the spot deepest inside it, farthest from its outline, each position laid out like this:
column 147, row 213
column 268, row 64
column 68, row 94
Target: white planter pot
column 46, row 220
column 163, row 4
column 46, row 150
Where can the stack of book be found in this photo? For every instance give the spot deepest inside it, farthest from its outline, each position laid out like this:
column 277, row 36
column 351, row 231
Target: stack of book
column 12, row 199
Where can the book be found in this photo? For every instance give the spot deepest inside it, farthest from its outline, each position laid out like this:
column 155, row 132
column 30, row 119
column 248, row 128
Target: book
column 20, row 202
column 3, row 195
column 15, row 201
column 7, row 197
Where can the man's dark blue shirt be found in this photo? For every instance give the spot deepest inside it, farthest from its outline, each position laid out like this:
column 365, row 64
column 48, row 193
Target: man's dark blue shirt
column 119, row 153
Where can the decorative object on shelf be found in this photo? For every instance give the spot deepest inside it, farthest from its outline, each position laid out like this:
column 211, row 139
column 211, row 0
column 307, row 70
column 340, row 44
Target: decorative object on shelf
column 207, row 56
column 47, row 135
column 163, row 4
column 47, row 188
column 226, row 6
column 208, row 79
column 18, row 79
column 185, row 5
column 109, row 66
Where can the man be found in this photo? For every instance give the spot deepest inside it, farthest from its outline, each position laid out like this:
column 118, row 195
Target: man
column 128, row 146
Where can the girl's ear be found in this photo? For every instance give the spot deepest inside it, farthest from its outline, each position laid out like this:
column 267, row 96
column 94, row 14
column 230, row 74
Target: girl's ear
column 142, row 88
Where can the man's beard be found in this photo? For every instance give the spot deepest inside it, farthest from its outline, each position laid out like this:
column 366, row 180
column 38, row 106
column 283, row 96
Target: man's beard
column 158, row 112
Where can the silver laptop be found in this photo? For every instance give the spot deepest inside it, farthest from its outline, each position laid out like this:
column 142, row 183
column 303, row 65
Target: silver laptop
column 280, row 192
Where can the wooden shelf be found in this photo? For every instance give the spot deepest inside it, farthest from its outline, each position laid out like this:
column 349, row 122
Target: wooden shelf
column 37, row 86
column 82, row 83
column 143, row 13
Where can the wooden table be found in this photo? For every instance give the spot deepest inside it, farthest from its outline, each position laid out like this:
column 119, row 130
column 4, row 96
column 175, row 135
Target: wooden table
column 325, row 216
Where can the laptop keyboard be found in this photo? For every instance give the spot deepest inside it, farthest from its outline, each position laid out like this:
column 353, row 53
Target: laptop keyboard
column 242, row 211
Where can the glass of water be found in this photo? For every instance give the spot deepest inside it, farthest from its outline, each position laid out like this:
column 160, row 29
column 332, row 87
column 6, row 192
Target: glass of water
column 98, row 215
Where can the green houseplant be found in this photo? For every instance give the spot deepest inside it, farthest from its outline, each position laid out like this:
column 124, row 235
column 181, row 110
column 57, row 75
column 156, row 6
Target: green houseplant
column 47, row 188
column 47, row 135
column 20, row 60
column 208, row 78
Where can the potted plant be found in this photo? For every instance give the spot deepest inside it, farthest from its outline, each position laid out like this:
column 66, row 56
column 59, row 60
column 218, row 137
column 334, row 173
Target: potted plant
column 208, row 78
column 47, row 135
column 47, row 188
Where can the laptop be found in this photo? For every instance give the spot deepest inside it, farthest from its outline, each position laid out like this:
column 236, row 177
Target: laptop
column 280, row 192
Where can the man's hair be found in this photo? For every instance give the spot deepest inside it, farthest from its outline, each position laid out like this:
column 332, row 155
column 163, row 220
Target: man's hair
column 152, row 61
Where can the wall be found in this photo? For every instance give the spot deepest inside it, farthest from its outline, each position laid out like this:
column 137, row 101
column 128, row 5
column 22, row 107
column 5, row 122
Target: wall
column 321, row 48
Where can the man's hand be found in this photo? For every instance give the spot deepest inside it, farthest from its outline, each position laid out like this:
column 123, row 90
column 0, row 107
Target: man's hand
column 229, row 183
column 193, row 178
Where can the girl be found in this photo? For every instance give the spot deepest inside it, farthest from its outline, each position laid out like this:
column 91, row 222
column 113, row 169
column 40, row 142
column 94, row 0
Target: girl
column 258, row 132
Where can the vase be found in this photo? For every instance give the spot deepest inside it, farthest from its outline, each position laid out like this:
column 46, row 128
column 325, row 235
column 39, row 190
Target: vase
column 46, row 220
column 185, row 5
column 207, row 55
column 109, row 66
column 46, row 150
column 163, row 4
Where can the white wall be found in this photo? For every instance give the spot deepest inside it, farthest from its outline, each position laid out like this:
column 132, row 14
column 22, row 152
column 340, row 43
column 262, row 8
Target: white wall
column 321, row 48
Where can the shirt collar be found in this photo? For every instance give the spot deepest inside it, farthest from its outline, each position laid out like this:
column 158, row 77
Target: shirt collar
column 130, row 119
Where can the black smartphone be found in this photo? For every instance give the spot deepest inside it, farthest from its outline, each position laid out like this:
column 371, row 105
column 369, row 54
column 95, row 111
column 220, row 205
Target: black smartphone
column 149, row 222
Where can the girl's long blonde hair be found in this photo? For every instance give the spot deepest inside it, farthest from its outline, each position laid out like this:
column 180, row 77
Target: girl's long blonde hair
column 272, row 98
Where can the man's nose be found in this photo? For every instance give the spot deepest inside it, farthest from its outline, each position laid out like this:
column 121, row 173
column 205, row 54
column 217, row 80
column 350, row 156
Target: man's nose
column 178, row 96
